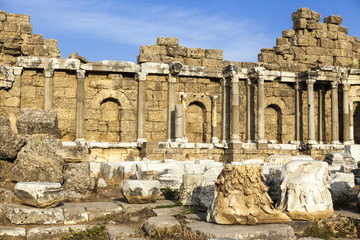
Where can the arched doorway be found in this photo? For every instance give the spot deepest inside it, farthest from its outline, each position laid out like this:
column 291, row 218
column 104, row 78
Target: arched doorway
column 196, row 122
column 273, row 124
column 109, row 124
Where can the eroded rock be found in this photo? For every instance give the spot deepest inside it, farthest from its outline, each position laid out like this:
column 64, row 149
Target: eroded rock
column 141, row 191
column 241, row 198
column 10, row 143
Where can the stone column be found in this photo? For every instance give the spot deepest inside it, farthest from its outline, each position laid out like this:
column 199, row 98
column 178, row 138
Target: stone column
column 346, row 113
column 184, row 104
column 17, row 76
column 311, row 111
column 334, row 113
column 141, row 108
column 248, row 110
column 260, row 110
column 224, row 111
column 297, row 112
column 351, row 120
column 80, row 75
column 178, row 122
column 214, row 138
column 321, row 117
column 49, row 74
column 170, row 106
column 235, row 114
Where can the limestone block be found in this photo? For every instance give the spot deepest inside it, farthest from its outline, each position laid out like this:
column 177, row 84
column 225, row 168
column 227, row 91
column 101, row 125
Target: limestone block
column 302, row 157
column 141, row 191
column 113, row 171
column 37, row 121
column 167, row 41
column 342, row 188
column 119, row 232
column 54, row 232
column 196, row 52
column 10, row 143
column 39, row 194
column 282, row 41
column 160, row 223
column 214, row 54
column 334, row 19
column 29, row 215
column 12, row 233
column 207, row 190
column 354, row 151
column 191, row 188
column 279, row 159
column 241, row 198
column 340, row 158
column 299, row 24
column 78, row 182
column 304, row 190
column 97, row 210
column 306, row 13
column 74, row 213
column 101, row 183
column 288, row 33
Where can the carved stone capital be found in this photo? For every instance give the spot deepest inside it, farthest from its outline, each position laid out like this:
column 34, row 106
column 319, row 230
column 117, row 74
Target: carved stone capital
column 141, row 76
column 345, row 85
column 230, row 71
column 80, row 74
column 334, row 84
column 17, row 71
column 310, row 81
column 214, row 97
column 48, row 73
column 171, row 78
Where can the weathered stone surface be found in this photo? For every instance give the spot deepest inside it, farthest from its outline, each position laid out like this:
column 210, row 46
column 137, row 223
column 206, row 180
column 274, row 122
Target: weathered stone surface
column 119, row 232
column 39, row 194
column 78, row 182
column 334, row 19
column 12, row 233
column 263, row 232
column 342, row 159
column 279, row 159
column 141, row 191
column 112, row 171
column 101, row 209
column 56, row 232
column 207, row 191
column 304, row 190
column 160, row 223
column 101, row 183
column 342, row 188
column 10, row 143
column 167, row 41
column 74, row 213
column 37, row 121
column 29, row 215
column 191, row 188
column 241, row 198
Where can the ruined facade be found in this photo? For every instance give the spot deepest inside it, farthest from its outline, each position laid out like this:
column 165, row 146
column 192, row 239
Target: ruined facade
column 302, row 97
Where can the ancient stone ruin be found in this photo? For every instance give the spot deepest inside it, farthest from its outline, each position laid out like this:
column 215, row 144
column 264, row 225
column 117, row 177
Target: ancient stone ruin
column 246, row 143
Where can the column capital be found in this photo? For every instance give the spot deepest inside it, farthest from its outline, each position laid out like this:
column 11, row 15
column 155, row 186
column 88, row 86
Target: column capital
column 260, row 79
column 334, row 84
column 230, row 71
column 49, row 73
column 214, row 97
column 310, row 81
column 17, row 70
column 234, row 79
column 171, row 78
column 248, row 82
column 298, row 85
column 80, row 74
column 141, row 76
column 346, row 85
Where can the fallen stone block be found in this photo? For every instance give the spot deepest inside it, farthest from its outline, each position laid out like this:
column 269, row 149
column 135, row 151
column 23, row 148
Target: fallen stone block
column 39, row 194
column 74, row 213
column 37, row 121
column 112, row 171
column 191, row 188
column 279, row 159
column 160, row 223
column 265, row 231
column 302, row 157
column 18, row 214
column 304, row 190
column 342, row 188
column 119, row 232
column 10, row 143
column 207, row 193
column 12, row 233
column 141, row 191
column 44, row 233
column 101, row 209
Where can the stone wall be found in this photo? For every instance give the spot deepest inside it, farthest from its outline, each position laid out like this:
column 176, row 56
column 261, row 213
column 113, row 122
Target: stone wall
column 311, row 43
column 16, row 39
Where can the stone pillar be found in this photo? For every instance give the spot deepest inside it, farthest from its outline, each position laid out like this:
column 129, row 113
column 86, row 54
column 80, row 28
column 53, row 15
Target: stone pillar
column 224, row 111
column 346, row 113
column 235, row 114
column 311, row 111
column 141, row 108
column 334, row 113
column 351, row 120
column 297, row 113
column 17, row 76
column 321, row 117
column 184, row 104
column 248, row 110
column 214, row 138
column 80, row 75
column 178, row 122
column 260, row 110
column 170, row 107
column 49, row 74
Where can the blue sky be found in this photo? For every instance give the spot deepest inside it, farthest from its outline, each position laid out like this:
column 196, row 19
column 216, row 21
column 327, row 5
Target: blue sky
column 115, row 29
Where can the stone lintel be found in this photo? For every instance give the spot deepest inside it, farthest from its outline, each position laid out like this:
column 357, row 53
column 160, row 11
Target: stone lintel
column 194, row 71
column 48, row 63
column 155, row 68
column 112, row 66
column 354, row 71
column 288, row 76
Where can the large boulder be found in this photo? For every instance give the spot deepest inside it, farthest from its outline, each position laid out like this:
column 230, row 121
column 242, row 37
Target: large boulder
column 141, row 191
column 38, row 161
column 39, row 194
column 241, row 198
column 305, row 191
column 10, row 143
column 37, row 121
column 78, row 182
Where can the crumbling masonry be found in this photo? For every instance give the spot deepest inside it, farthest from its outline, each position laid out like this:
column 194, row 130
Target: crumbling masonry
column 302, row 97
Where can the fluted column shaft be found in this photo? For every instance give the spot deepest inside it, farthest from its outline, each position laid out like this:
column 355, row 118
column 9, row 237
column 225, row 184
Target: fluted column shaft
column 80, row 75
column 170, row 106
column 260, row 111
column 248, row 110
column 311, row 111
column 334, row 113
column 235, row 114
column 224, row 110
column 346, row 113
column 214, row 138
column 321, row 119
column 48, row 101
column 141, row 108
column 297, row 112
